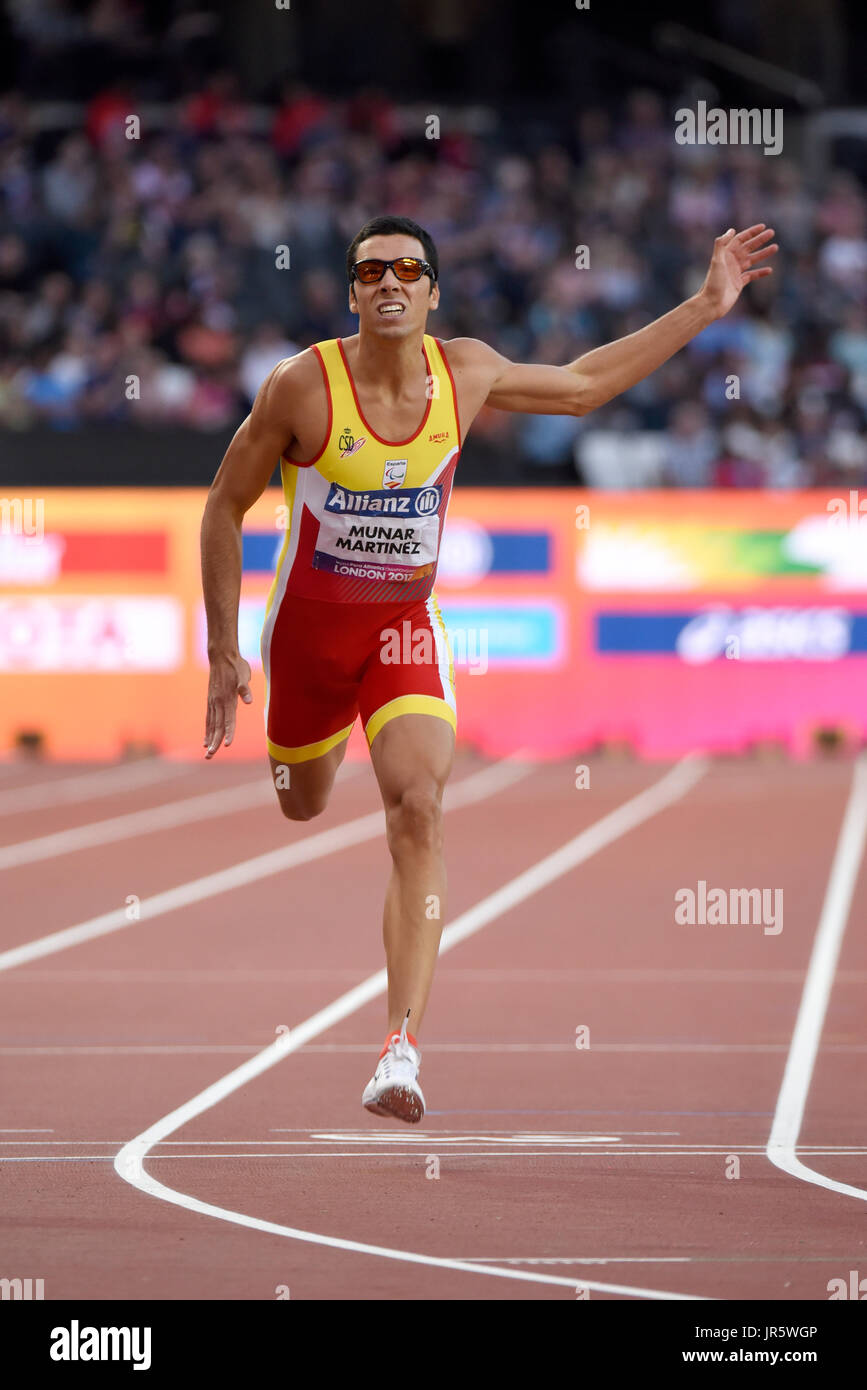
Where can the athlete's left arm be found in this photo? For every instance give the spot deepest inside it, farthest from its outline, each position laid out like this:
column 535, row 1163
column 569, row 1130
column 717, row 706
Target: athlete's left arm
column 597, row 377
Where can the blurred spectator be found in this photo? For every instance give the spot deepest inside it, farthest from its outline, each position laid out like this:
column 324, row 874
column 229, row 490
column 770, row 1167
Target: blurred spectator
column 198, row 256
column 266, row 348
column 691, row 448
column 848, row 346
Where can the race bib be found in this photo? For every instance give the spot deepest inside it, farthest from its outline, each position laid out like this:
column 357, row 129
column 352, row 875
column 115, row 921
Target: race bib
column 386, row 535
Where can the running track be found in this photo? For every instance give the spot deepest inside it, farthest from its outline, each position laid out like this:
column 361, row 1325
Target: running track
column 180, row 1098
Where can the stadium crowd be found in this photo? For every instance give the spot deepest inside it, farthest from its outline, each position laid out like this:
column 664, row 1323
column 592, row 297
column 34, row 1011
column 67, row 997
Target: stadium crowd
column 140, row 278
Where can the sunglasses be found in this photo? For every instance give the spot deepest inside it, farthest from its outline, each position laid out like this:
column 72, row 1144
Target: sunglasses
column 405, row 268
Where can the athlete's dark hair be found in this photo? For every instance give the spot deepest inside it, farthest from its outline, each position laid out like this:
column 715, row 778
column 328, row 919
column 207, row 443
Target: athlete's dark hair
column 387, row 225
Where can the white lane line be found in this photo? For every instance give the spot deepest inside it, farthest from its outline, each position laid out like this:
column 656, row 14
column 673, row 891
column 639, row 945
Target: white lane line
column 795, row 1087
column 473, row 788
column 359, row 1048
column 414, row 1141
column 409, row 1144
column 129, row 1163
column 135, row 1050
column 379, row 1152
column 569, row 1047
column 205, row 806
column 378, row 1140
column 586, row 1260
column 379, row 1158
column 146, row 975
column 88, row 786
column 619, row 975
column 354, row 1049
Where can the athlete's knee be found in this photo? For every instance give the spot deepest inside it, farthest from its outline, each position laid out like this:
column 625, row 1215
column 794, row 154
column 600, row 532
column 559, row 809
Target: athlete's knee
column 415, row 820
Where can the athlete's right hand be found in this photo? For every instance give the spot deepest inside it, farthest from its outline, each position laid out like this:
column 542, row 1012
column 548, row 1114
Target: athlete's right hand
column 229, row 678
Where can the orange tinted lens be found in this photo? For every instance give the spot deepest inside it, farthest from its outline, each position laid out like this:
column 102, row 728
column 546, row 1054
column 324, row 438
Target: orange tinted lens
column 369, row 272
column 408, row 268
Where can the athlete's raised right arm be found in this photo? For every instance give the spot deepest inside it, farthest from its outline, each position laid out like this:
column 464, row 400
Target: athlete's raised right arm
column 250, row 459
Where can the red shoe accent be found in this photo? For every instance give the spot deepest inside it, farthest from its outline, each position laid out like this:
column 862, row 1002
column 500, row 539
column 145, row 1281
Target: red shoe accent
column 396, row 1034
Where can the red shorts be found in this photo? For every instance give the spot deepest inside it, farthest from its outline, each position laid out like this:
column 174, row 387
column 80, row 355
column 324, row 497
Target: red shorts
column 327, row 662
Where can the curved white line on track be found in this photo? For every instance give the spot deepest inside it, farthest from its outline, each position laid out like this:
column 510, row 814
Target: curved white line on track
column 354, row 832
column 804, row 1048
column 129, row 1163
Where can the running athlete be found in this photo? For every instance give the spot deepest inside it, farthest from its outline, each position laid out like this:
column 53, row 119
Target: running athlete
column 368, row 431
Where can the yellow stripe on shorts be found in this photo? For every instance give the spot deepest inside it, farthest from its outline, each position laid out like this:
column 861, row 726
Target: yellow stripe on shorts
column 409, row 704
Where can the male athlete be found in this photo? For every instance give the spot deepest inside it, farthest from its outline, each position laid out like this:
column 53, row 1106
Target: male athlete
column 368, row 431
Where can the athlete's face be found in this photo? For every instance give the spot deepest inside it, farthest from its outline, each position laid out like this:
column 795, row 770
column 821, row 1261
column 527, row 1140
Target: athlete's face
column 415, row 298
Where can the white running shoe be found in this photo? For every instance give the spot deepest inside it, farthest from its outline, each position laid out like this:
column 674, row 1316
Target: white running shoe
column 393, row 1090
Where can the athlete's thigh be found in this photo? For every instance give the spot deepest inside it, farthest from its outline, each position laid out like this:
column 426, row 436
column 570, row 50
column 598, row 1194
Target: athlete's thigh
column 413, row 751
column 407, row 702
column 303, row 789
column 313, row 663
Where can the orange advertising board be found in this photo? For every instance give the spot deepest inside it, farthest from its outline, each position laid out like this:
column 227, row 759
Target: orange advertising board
column 671, row 620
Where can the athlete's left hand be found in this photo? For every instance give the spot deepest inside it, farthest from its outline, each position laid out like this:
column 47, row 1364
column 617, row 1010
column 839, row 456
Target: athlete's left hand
column 735, row 263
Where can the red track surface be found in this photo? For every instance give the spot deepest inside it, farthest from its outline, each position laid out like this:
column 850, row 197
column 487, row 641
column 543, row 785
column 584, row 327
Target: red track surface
column 608, row 1164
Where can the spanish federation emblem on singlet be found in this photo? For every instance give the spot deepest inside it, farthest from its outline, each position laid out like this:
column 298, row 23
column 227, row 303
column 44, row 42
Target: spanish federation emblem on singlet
column 365, row 517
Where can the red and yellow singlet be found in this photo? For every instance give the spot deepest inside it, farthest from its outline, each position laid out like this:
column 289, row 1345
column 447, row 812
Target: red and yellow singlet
column 364, row 521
